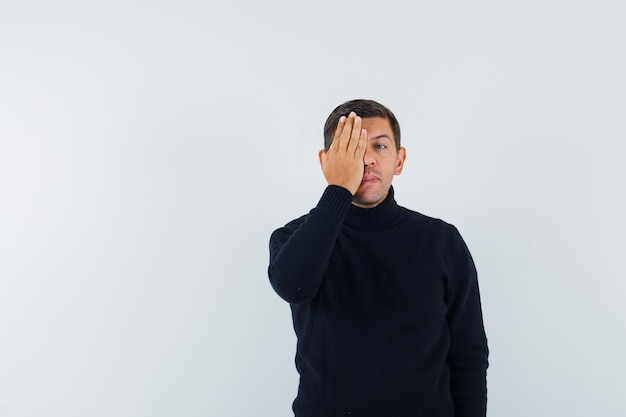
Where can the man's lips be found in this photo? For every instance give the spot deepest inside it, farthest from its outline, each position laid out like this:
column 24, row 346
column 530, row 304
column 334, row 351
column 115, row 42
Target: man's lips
column 369, row 179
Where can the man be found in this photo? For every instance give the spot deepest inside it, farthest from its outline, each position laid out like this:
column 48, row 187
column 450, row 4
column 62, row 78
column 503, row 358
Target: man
column 385, row 301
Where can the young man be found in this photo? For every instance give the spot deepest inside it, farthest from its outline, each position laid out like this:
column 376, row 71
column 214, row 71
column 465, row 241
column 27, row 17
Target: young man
column 385, row 300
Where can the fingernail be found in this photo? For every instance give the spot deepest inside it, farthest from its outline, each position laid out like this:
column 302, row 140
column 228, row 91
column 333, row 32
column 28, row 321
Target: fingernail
column 352, row 114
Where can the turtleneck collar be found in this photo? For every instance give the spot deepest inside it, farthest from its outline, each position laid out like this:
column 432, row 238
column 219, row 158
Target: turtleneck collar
column 383, row 215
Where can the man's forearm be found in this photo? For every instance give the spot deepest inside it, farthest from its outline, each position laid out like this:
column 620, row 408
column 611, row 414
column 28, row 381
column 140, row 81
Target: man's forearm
column 299, row 254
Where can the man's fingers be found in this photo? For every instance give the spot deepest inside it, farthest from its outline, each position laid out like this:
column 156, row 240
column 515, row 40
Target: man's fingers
column 348, row 128
column 359, row 152
column 343, row 162
column 343, row 132
column 337, row 138
column 355, row 135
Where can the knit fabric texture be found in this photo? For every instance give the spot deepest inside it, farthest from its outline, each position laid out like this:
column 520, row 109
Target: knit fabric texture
column 386, row 310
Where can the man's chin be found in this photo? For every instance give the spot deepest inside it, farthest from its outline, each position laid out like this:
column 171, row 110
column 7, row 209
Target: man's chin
column 368, row 200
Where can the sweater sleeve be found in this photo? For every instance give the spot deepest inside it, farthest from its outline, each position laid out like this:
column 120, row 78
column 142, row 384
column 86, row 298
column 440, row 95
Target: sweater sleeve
column 300, row 251
column 468, row 354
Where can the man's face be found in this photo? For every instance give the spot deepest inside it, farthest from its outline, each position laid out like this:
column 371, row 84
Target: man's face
column 381, row 162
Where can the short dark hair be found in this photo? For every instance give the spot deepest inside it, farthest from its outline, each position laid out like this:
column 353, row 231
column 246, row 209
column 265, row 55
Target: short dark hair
column 364, row 109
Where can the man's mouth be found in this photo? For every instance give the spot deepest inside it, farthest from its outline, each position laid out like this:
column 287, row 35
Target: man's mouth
column 369, row 179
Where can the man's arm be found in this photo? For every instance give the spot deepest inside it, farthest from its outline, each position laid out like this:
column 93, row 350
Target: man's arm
column 299, row 252
column 468, row 355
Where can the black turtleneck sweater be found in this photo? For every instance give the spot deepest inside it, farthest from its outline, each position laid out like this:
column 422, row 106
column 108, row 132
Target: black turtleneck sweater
column 386, row 310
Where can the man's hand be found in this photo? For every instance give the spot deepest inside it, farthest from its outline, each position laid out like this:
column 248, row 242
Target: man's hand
column 342, row 163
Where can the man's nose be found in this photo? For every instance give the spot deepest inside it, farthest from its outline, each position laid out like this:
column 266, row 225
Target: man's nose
column 368, row 158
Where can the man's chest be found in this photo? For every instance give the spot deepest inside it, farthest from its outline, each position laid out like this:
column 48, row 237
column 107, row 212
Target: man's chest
column 402, row 276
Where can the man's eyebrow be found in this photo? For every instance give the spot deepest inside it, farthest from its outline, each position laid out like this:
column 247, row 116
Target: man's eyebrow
column 381, row 136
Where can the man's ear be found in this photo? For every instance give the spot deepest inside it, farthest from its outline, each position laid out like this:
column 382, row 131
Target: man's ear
column 400, row 161
column 321, row 155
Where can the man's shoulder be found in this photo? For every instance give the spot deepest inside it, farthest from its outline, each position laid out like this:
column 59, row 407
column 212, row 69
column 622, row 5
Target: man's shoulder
column 295, row 223
column 286, row 230
column 423, row 220
column 437, row 232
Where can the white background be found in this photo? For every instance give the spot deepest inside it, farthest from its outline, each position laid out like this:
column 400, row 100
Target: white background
column 149, row 148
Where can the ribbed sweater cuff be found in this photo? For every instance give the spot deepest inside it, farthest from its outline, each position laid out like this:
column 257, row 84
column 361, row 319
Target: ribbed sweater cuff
column 335, row 200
